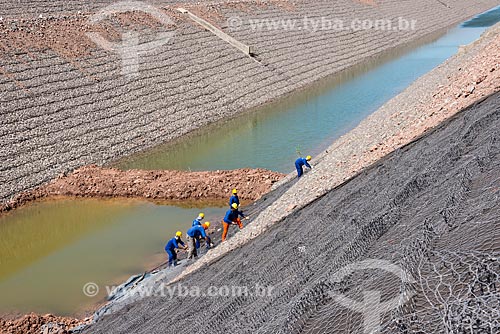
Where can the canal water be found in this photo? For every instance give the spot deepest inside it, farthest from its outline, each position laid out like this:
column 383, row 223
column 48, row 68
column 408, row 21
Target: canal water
column 309, row 121
column 50, row 249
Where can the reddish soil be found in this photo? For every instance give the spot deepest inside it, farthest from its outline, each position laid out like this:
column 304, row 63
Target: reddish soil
column 37, row 324
column 94, row 181
column 66, row 35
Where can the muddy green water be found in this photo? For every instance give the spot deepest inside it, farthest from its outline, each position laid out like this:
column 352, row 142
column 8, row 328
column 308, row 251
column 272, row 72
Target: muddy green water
column 49, row 250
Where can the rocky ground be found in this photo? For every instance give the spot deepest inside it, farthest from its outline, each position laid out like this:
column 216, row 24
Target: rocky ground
column 65, row 102
column 94, row 181
column 39, row 324
column 67, row 110
column 464, row 149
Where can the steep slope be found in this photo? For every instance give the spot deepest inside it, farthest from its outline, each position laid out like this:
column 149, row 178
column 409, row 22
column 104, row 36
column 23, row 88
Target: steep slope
column 430, row 208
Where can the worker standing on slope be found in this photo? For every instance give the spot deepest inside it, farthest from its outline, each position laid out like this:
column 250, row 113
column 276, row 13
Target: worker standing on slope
column 198, row 220
column 234, row 199
column 300, row 162
column 232, row 218
column 196, row 233
column 172, row 246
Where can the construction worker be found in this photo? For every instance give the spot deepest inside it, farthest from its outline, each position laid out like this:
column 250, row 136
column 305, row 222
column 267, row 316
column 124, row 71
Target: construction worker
column 196, row 233
column 232, row 218
column 172, row 246
column 302, row 162
column 234, row 198
column 198, row 220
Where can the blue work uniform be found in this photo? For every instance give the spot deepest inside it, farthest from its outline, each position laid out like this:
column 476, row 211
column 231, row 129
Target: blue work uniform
column 198, row 231
column 234, row 199
column 232, row 215
column 298, row 165
column 197, row 221
column 170, row 248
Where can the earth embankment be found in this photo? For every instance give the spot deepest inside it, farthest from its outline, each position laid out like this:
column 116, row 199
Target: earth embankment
column 160, row 185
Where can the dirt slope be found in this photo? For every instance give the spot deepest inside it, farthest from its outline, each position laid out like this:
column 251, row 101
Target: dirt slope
column 431, row 207
column 65, row 102
column 94, row 181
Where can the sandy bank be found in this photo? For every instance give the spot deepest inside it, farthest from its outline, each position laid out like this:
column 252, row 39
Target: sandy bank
column 94, row 181
column 62, row 108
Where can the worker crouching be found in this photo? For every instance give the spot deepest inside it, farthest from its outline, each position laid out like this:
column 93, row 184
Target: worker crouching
column 300, row 163
column 194, row 234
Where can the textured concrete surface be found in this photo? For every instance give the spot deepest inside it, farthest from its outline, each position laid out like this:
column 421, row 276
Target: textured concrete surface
column 60, row 112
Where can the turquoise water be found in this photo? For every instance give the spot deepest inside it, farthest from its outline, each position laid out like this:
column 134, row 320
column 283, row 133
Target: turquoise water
column 272, row 136
column 49, row 250
column 486, row 19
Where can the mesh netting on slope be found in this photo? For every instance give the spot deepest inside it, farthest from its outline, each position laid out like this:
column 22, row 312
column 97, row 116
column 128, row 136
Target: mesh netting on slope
column 430, row 209
column 456, row 292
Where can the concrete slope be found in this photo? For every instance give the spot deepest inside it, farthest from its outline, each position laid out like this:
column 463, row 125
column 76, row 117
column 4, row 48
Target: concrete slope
column 68, row 104
column 430, row 208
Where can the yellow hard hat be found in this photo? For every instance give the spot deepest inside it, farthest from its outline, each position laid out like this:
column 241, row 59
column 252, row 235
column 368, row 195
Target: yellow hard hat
column 206, row 225
column 235, row 191
column 178, row 234
column 234, row 206
column 308, row 158
column 201, row 215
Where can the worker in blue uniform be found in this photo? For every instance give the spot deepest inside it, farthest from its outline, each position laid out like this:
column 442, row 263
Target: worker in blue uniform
column 196, row 233
column 196, row 222
column 234, row 199
column 198, row 219
column 232, row 217
column 300, row 162
column 172, row 246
